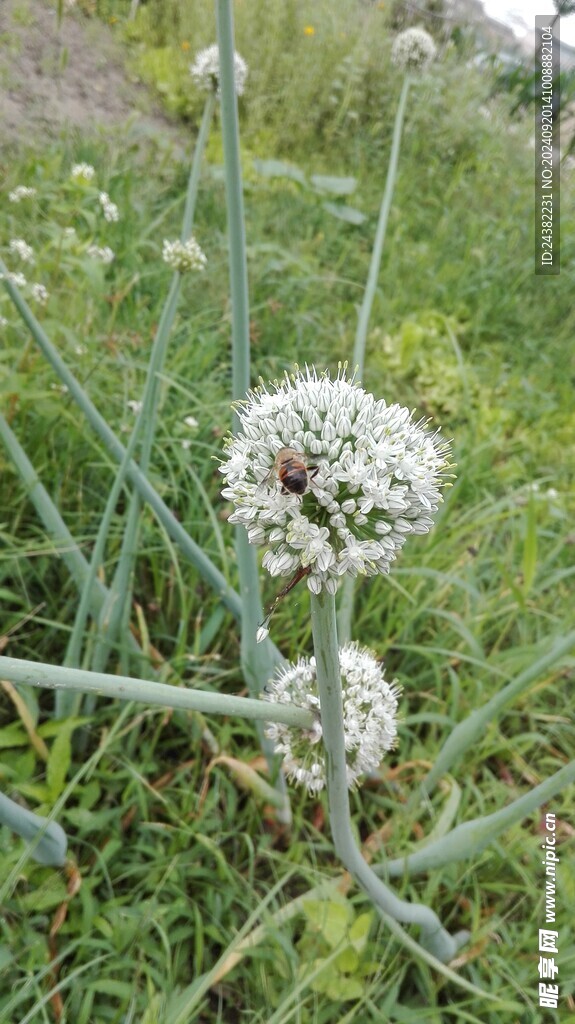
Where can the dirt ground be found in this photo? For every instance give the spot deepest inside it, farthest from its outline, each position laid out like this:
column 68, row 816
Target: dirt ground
column 69, row 76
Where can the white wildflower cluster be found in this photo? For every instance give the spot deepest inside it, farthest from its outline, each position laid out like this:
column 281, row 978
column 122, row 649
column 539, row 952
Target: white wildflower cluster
column 18, row 247
column 40, row 294
column 373, row 477
column 413, row 49
column 21, row 192
column 183, row 256
column 369, row 715
column 205, row 71
column 110, row 210
column 15, row 277
column 82, row 173
column 102, row 254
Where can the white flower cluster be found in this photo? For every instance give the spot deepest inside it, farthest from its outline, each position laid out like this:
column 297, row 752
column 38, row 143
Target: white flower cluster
column 82, row 172
column 38, row 291
column 205, row 71
column 21, row 192
column 15, row 277
column 104, row 255
column 40, row 294
column 373, row 477
column 413, row 49
column 184, row 256
column 18, row 247
column 110, row 210
column 369, row 715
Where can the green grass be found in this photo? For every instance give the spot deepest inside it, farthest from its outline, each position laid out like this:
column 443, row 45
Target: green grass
column 173, row 855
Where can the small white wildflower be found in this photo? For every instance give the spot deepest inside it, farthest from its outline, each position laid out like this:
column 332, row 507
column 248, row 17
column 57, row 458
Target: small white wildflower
column 205, row 71
column 413, row 49
column 183, row 256
column 40, row 294
column 69, row 232
column 82, row 172
column 369, row 714
column 18, row 247
column 110, row 210
column 134, row 406
column 191, row 421
column 62, row 389
column 15, row 277
column 186, row 444
column 552, row 493
column 80, row 350
column 3, row 321
column 21, row 192
column 374, row 476
column 104, row 255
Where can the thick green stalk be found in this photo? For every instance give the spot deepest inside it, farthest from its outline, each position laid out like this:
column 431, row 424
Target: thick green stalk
column 258, row 660
column 48, row 839
column 371, row 285
column 66, row 547
column 345, row 611
column 115, row 610
column 194, row 180
column 433, row 938
column 176, row 531
column 53, row 677
column 469, row 731
column 473, row 836
column 67, row 703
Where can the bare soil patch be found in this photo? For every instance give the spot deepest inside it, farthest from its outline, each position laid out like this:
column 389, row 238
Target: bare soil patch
column 71, row 75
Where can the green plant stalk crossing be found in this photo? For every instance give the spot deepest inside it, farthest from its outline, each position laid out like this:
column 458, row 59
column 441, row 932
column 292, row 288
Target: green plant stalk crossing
column 345, row 610
column 258, row 660
column 53, row 677
column 467, row 732
column 471, row 837
column 434, row 938
column 116, row 606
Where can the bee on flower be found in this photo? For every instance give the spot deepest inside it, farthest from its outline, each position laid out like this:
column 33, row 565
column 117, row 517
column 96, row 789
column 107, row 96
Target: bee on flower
column 368, row 475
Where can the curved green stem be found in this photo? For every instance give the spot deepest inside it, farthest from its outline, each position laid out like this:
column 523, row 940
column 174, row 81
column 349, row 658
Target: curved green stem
column 116, row 607
column 472, row 837
column 47, row 838
column 467, row 732
column 434, row 937
column 176, row 531
column 53, row 677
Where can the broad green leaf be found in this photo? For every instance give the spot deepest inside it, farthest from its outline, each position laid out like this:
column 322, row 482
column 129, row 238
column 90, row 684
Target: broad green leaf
column 329, row 918
column 347, row 961
column 347, row 213
column 342, row 989
column 47, row 896
column 359, row 931
column 279, row 169
column 336, row 185
column 60, row 758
